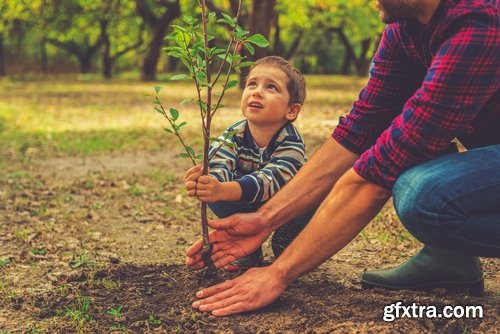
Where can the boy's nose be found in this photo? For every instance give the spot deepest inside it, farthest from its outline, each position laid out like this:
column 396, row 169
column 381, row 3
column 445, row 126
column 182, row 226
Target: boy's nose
column 257, row 92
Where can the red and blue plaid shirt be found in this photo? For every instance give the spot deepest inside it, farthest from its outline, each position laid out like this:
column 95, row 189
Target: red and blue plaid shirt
column 429, row 84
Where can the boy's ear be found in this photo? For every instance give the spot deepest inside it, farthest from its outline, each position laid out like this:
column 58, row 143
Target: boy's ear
column 293, row 112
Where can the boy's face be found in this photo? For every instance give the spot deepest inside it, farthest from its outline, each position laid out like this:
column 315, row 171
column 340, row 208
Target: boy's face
column 265, row 98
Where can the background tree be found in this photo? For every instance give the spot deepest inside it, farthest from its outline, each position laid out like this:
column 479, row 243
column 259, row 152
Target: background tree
column 14, row 21
column 121, row 31
column 259, row 17
column 73, row 28
column 157, row 15
column 328, row 29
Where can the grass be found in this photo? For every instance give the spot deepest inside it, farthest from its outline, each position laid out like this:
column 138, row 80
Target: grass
column 78, row 117
column 80, row 313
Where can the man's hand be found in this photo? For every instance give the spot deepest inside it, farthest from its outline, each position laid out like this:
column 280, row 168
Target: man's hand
column 191, row 179
column 257, row 288
column 233, row 238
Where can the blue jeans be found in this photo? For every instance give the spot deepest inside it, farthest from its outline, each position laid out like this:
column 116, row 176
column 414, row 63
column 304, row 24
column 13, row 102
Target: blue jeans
column 453, row 202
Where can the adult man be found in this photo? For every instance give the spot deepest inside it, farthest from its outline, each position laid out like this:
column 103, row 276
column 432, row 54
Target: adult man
column 435, row 77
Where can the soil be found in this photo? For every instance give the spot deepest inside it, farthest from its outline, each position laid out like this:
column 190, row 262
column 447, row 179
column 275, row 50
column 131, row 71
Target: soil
column 81, row 237
column 313, row 305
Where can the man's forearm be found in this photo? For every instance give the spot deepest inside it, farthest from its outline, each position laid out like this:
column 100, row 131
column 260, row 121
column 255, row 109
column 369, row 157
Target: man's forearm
column 348, row 208
column 310, row 186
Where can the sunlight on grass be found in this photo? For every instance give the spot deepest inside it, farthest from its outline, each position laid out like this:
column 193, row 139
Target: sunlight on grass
column 84, row 117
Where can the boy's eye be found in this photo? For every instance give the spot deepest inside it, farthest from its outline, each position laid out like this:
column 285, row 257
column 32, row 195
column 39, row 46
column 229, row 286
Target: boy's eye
column 251, row 83
column 272, row 86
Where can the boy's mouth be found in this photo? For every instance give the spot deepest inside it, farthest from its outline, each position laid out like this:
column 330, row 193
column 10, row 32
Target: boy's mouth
column 256, row 105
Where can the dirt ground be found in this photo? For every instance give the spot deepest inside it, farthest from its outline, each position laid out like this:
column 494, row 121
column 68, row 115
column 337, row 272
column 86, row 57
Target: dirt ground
column 96, row 244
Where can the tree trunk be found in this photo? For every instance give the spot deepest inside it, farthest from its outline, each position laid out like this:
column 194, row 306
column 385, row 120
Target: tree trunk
column 363, row 64
column 107, row 61
column 261, row 20
column 44, row 64
column 159, row 26
column 152, row 56
column 2, row 57
column 85, row 63
column 346, row 64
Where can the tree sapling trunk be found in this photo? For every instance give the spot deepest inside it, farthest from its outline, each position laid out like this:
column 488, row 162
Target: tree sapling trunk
column 193, row 45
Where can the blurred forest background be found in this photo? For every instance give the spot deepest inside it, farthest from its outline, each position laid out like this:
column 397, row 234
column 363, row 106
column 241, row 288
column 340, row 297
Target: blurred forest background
column 124, row 38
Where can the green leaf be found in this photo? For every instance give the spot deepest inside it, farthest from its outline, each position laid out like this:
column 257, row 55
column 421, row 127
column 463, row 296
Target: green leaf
column 181, row 125
column 189, row 20
column 229, row 57
column 190, row 150
column 201, row 76
column 258, row 40
column 217, row 51
column 157, row 89
column 229, row 23
column 174, row 113
column 231, row 84
column 246, row 64
column 186, row 101
column 227, row 20
column 184, row 155
column 240, row 32
column 160, row 111
column 199, row 156
column 168, row 130
column 177, row 27
column 157, row 102
column 250, row 48
column 179, row 77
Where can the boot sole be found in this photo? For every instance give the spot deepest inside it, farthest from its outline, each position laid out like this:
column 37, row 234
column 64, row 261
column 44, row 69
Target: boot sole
column 475, row 288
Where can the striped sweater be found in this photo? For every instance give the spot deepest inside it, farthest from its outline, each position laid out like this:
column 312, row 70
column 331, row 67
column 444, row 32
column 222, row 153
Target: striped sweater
column 260, row 173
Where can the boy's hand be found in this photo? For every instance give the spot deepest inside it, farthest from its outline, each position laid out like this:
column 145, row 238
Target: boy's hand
column 209, row 189
column 191, row 179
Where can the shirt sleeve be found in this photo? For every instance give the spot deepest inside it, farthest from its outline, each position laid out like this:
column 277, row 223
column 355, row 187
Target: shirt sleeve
column 391, row 83
column 284, row 163
column 464, row 74
column 223, row 159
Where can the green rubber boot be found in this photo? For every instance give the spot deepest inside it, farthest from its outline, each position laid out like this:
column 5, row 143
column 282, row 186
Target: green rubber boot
column 430, row 268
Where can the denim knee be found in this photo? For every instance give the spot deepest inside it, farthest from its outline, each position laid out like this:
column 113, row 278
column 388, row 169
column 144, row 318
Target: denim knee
column 416, row 197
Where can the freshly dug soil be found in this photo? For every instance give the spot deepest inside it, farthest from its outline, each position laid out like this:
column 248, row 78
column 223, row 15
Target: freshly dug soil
column 157, row 299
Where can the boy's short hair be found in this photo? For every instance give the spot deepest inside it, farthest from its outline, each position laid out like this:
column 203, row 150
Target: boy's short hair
column 296, row 81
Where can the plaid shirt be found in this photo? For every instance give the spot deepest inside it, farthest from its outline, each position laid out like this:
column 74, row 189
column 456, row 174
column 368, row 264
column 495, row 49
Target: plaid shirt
column 429, row 84
column 260, row 173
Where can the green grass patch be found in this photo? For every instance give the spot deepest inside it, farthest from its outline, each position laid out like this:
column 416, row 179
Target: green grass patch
column 85, row 116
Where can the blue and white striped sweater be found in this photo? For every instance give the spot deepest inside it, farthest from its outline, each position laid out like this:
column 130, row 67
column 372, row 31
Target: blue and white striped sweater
column 260, row 175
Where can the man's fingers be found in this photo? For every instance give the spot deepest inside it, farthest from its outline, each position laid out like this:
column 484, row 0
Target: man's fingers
column 221, row 224
column 230, row 304
column 195, row 248
column 207, row 292
column 238, row 307
column 214, row 299
column 222, row 259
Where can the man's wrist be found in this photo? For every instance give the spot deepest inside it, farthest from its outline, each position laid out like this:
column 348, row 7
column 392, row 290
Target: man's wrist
column 266, row 213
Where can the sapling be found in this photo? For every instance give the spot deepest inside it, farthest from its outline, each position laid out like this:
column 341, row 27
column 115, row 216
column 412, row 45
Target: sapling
column 210, row 68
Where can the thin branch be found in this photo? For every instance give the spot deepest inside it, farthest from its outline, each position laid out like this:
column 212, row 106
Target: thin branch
column 176, row 132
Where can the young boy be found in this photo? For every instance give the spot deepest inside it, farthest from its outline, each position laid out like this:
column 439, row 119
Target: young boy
column 268, row 151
